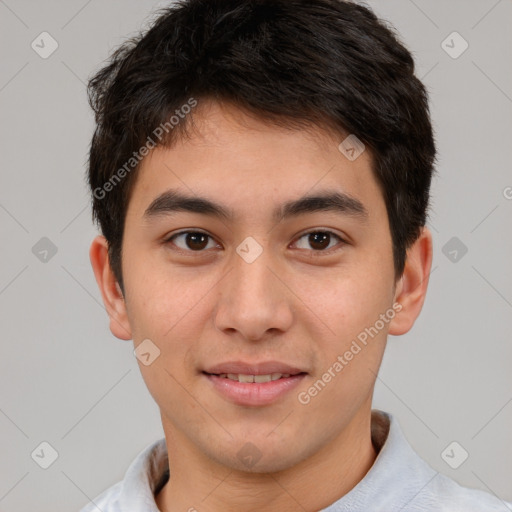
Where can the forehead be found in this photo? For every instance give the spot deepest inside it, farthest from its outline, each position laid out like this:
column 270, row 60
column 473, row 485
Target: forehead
column 242, row 161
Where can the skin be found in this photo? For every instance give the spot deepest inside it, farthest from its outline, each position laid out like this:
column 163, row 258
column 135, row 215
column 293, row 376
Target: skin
column 294, row 304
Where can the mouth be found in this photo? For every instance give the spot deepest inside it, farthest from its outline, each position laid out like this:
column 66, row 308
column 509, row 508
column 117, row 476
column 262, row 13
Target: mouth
column 263, row 368
column 253, row 384
column 248, row 378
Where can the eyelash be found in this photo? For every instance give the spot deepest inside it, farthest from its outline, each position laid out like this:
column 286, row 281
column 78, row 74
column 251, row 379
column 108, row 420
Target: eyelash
column 170, row 239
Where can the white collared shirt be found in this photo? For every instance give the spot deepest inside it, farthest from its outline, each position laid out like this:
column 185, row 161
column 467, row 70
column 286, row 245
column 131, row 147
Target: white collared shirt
column 398, row 481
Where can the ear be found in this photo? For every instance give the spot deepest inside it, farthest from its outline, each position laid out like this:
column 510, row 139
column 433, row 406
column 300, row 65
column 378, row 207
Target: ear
column 110, row 289
column 412, row 287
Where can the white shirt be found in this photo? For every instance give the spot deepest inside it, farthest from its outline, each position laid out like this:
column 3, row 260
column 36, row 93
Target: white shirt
column 399, row 480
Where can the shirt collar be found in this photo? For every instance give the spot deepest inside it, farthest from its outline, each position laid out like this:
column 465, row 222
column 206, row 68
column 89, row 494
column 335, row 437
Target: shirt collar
column 396, row 477
column 144, row 478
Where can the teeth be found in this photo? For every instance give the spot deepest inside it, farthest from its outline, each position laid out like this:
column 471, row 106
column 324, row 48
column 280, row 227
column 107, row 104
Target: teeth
column 254, row 378
column 262, row 378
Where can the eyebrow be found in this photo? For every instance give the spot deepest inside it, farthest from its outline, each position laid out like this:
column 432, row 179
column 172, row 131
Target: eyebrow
column 172, row 201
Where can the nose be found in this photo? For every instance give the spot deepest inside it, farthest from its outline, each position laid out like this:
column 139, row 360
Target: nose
column 253, row 301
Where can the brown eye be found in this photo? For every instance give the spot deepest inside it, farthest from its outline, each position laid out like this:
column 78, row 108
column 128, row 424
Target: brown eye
column 319, row 241
column 194, row 241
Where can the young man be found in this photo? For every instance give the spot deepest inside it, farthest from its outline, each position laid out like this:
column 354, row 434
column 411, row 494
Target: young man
column 260, row 171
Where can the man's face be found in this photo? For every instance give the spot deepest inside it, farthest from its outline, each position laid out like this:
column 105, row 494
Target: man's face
column 294, row 291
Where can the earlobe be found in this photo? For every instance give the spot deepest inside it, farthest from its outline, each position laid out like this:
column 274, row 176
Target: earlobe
column 412, row 288
column 110, row 290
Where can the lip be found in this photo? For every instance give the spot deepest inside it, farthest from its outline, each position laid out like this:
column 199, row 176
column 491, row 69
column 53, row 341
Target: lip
column 254, row 393
column 262, row 368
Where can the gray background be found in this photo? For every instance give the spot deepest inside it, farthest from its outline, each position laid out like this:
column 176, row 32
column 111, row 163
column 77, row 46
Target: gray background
column 66, row 380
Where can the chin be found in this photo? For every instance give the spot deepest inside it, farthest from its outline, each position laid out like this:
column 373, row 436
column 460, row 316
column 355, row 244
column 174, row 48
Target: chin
column 258, row 455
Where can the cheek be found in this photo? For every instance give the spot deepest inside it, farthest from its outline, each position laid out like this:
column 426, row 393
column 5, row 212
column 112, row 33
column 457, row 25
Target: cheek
column 172, row 323
column 345, row 302
column 160, row 301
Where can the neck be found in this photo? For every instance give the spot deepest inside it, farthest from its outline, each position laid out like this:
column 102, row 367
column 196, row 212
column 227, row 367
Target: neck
column 313, row 484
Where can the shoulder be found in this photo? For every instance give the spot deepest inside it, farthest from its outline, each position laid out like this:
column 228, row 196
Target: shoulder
column 136, row 491
column 449, row 496
column 107, row 501
column 401, row 480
